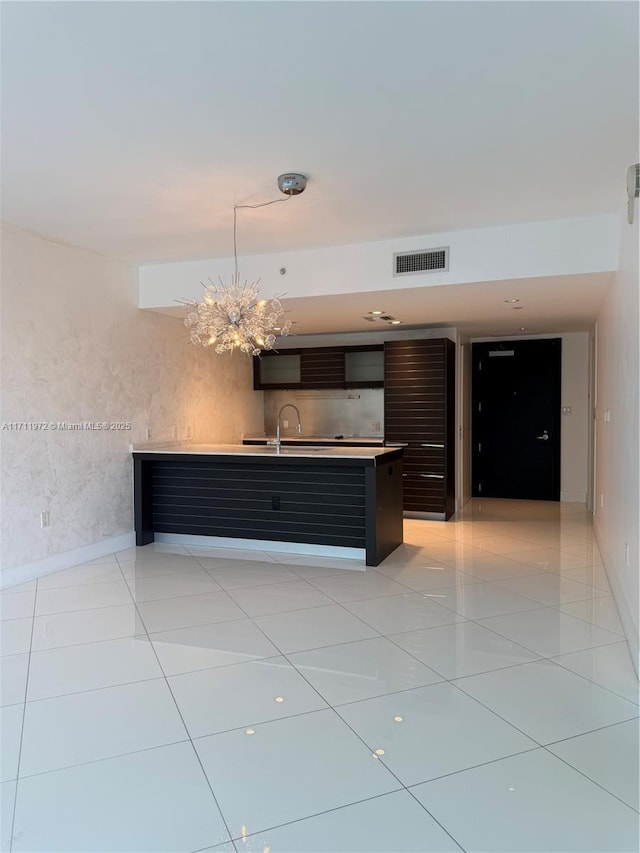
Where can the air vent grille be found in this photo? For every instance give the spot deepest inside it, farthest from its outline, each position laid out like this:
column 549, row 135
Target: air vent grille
column 428, row 260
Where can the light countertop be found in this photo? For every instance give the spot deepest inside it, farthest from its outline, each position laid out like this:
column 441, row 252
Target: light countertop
column 266, row 451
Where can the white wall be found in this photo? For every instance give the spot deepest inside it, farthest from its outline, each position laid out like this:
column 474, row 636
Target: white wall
column 75, row 347
column 618, row 437
column 560, row 247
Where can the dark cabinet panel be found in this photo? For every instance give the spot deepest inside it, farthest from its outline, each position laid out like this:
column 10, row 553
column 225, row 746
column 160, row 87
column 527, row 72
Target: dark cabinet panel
column 322, row 367
column 419, row 409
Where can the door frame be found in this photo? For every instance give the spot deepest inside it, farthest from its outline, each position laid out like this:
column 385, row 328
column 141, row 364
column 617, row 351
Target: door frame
column 463, row 422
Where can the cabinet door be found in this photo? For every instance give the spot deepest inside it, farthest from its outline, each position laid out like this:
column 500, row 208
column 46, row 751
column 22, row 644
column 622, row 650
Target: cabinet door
column 414, row 391
column 322, row 367
column 277, row 370
column 364, row 367
column 419, row 409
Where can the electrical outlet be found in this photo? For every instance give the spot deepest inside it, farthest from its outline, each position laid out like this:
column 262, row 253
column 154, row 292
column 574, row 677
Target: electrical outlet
column 147, row 433
column 44, row 519
column 601, row 500
column 375, row 426
column 607, row 415
column 285, row 424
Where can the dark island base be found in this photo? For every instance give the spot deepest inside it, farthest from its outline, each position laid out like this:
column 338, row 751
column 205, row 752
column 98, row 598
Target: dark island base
column 352, row 503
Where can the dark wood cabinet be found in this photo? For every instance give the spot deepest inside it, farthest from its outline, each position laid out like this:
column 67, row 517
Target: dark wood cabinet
column 419, row 409
column 320, row 367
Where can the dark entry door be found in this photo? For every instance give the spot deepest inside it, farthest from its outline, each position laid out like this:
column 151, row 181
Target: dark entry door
column 516, row 419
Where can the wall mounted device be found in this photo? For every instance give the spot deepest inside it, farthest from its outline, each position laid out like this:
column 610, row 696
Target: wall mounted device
column 633, row 189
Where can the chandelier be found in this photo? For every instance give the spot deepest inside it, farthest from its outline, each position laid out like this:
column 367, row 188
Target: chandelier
column 231, row 316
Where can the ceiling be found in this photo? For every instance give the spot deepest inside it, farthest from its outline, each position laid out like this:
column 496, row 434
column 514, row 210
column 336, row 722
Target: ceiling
column 132, row 128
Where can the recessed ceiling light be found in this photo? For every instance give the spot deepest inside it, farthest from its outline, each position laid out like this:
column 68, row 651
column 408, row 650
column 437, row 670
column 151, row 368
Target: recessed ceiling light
column 395, row 322
column 512, row 300
column 250, row 732
column 376, row 313
column 397, row 719
column 379, row 752
column 279, row 699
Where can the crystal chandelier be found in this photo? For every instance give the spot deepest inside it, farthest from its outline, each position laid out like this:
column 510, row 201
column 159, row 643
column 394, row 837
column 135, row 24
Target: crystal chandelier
column 231, row 316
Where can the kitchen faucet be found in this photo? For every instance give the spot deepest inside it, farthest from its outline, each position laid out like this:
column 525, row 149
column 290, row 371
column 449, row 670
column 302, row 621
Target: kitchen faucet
column 295, row 408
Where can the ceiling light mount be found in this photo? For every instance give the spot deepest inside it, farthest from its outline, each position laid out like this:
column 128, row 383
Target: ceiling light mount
column 292, row 183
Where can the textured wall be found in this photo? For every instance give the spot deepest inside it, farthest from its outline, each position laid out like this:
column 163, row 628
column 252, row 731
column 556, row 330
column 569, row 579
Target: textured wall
column 617, row 499
column 75, row 347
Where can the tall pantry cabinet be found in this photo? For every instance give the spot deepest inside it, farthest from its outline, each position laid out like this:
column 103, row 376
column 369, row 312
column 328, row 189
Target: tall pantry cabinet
column 419, row 410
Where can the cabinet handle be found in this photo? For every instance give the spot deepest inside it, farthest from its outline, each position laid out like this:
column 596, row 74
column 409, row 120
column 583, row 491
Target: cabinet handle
column 433, row 476
column 432, row 445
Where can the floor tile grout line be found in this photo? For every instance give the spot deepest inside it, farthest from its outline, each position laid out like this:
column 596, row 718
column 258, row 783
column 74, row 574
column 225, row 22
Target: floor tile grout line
column 94, row 689
column 389, row 636
column 334, row 709
column 188, row 733
column 435, row 819
column 588, row 621
column 24, row 712
column 308, row 817
column 476, row 767
column 513, row 725
column 594, row 781
column 480, row 621
column 466, row 620
column 559, row 604
column 593, row 731
column 590, row 680
column 329, row 705
column 100, row 760
column 455, row 677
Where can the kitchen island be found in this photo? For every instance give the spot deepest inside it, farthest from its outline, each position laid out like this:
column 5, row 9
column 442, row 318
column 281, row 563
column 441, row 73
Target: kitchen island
column 345, row 497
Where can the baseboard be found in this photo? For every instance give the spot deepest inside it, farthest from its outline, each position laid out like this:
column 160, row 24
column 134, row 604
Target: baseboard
column 573, row 497
column 628, row 624
column 66, row 560
column 264, row 545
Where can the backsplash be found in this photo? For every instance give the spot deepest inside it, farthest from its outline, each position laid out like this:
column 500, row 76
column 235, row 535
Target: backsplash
column 357, row 411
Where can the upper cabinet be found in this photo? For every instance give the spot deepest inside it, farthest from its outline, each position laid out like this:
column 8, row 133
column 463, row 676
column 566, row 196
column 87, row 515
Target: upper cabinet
column 320, row 367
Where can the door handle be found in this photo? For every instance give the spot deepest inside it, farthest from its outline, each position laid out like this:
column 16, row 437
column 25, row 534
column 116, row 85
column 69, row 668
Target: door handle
column 543, row 437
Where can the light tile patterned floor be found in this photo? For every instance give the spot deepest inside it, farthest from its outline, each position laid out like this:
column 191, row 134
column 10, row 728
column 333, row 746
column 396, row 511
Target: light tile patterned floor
column 472, row 693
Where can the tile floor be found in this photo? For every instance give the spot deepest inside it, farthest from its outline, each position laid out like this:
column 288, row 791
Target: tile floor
column 474, row 692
